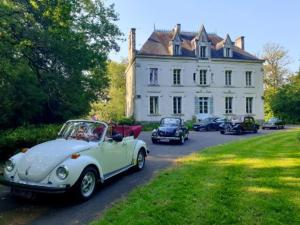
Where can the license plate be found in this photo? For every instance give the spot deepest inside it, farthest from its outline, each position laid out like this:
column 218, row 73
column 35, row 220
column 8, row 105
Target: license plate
column 22, row 193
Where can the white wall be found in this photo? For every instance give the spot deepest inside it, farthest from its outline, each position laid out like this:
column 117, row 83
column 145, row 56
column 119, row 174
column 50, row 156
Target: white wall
column 189, row 90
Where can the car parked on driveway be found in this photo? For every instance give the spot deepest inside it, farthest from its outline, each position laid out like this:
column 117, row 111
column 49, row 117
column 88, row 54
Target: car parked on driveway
column 84, row 153
column 171, row 129
column 274, row 123
column 239, row 125
column 208, row 124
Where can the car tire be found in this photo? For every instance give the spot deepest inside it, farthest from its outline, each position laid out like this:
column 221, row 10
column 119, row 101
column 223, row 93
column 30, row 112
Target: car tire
column 239, row 131
column 86, row 184
column 187, row 137
column 154, row 141
column 222, row 132
column 140, row 160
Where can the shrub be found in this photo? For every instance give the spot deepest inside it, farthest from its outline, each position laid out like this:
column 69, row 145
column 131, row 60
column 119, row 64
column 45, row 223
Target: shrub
column 13, row 140
column 126, row 121
column 189, row 124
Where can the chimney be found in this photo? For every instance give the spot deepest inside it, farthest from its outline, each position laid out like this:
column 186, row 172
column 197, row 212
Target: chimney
column 240, row 42
column 131, row 45
column 178, row 28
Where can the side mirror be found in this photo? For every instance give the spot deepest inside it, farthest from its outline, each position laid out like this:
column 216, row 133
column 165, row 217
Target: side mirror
column 117, row 137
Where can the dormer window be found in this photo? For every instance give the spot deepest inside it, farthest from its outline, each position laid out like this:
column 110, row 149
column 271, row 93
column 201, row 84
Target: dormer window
column 202, row 51
column 227, row 52
column 176, row 49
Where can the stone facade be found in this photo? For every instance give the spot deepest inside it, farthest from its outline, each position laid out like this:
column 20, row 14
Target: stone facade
column 195, row 73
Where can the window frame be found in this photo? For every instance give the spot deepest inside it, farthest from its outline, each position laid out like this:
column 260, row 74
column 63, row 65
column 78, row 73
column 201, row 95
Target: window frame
column 177, row 105
column 249, row 105
column 248, row 77
column 228, row 105
column 203, row 77
column 153, row 105
column 176, row 76
column 153, row 75
column 203, row 52
column 228, row 77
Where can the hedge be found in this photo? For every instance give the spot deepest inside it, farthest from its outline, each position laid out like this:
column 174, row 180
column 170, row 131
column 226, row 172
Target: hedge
column 13, row 140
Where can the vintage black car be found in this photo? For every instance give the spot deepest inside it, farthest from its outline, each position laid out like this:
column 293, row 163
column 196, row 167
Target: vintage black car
column 273, row 123
column 171, row 129
column 208, row 124
column 239, row 125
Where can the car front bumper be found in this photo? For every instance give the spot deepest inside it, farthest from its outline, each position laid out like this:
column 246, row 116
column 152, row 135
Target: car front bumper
column 34, row 188
column 159, row 138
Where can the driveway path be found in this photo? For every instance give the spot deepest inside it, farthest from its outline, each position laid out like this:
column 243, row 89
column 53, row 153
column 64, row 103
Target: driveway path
column 60, row 210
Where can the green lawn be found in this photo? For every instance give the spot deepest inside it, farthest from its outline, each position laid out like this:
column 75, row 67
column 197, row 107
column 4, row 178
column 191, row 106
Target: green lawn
column 253, row 181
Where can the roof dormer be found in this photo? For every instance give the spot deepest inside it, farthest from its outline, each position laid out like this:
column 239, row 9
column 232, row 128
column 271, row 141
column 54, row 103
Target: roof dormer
column 175, row 43
column 227, row 47
column 202, row 44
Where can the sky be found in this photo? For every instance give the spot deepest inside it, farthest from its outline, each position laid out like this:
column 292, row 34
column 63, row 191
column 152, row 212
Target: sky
column 260, row 21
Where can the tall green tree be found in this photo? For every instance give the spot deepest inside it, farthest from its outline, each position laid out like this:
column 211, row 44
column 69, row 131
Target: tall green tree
column 275, row 73
column 286, row 101
column 113, row 107
column 53, row 58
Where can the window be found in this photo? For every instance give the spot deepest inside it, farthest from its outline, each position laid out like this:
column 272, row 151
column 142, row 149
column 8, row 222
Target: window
column 202, row 51
column 228, row 105
column 203, row 105
column 194, row 77
column 228, row 77
column 154, row 105
column 203, row 77
column 248, row 78
column 176, row 50
column 176, row 76
column 249, row 103
column 153, row 76
column 227, row 52
column 176, row 105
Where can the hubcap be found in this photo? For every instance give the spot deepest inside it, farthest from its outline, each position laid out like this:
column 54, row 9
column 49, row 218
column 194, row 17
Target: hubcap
column 141, row 160
column 88, row 184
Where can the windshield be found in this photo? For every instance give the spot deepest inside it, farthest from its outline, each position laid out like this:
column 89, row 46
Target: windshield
column 82, row 130
column 170, row 122
column 273, row 120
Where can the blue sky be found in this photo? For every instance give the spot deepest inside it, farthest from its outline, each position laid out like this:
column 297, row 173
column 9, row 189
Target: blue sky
column 260, row 21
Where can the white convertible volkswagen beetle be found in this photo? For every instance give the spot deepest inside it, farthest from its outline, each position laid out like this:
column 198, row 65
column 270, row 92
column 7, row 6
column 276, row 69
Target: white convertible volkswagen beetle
column 85, row 152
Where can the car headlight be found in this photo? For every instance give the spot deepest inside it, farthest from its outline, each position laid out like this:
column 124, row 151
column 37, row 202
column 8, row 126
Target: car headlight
column 9, row 165
column 177, row 133
column 62, row 172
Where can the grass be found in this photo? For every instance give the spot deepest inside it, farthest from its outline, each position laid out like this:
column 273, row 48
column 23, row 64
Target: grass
column 252, row 181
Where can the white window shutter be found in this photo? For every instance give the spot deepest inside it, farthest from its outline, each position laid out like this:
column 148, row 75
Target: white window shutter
column 196, row 105
column 211, row 105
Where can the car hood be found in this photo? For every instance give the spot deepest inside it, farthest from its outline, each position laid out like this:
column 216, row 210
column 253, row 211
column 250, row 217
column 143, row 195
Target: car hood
column 168, row 130
column 41, row 159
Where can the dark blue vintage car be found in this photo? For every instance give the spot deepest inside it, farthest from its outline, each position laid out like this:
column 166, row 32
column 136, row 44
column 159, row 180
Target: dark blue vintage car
column 208, row 124
column 171, row 129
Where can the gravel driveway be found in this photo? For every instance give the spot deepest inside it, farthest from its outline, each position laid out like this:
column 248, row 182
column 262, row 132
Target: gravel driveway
column 61, row 210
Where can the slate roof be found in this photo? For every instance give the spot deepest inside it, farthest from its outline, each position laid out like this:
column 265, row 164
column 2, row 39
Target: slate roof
column 158, row 45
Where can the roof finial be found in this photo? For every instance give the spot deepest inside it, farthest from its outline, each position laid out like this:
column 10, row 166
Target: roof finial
column 154, row 27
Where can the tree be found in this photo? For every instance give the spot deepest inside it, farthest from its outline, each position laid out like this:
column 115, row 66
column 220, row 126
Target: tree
column 113, row 107
column 286, row 101
column 275, row 66
column 58, row 50
column 275, row 73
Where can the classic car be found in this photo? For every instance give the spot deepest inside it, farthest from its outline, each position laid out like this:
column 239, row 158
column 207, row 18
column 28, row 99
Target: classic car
column 84, row 154
column 209, row 123
column 273, row 123
column 171, row 129
column 239, row 125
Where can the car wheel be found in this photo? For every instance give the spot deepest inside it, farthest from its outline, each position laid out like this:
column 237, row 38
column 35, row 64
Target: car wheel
column 181, row 141
column 140, row 160
column 154, row 141
column 255, row 131
column 187, row 137
column 222, row 132
column 86, row 184
column 239, row 131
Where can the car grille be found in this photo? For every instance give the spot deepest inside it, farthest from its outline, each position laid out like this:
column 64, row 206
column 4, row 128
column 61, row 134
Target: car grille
column 165, row 134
